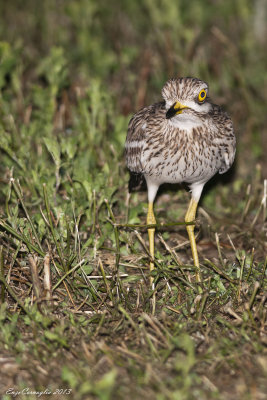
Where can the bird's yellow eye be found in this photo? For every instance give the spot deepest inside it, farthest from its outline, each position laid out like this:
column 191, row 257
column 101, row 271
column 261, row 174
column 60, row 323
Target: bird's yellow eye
column 202, row 95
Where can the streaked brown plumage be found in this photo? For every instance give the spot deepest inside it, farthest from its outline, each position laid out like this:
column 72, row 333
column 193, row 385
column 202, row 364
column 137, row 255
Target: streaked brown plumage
column 184, row 138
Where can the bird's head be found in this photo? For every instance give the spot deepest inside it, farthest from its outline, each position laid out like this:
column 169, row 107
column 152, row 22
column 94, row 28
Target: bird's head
column 185, row 99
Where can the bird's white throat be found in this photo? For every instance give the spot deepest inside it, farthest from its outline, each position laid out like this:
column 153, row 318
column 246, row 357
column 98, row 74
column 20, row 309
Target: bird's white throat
column 185, row 121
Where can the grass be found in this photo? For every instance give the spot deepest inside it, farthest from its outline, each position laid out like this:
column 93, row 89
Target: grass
column 75, row 318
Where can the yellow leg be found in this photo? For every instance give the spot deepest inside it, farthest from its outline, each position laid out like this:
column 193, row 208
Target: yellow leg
column 151, row 235
column 190, row 217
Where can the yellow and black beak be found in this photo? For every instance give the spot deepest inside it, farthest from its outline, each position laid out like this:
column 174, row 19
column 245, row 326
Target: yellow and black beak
column 176, row 108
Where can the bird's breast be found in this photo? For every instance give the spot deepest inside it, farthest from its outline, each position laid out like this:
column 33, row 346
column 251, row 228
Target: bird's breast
column 180, row 156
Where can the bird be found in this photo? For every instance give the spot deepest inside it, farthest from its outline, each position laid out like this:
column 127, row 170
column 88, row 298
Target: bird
column 184, row 138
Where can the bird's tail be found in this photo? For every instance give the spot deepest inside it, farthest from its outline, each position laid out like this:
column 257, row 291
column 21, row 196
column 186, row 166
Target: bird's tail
column 137, row 182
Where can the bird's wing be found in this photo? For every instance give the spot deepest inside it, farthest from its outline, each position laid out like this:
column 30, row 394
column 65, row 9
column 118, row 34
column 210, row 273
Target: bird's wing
column 229, row 144
column 136, row 137
column 228, row 158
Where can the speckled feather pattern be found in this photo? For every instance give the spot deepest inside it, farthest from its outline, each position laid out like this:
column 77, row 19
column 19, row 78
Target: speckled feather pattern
column 190, row 148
